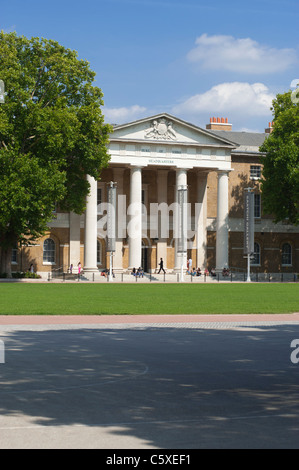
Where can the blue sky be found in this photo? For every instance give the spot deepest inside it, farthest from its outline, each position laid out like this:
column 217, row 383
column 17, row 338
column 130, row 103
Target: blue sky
column 193, row 59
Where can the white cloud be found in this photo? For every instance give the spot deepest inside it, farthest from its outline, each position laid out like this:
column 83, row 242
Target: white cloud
column 240, row 55
column 122, row 115
column 229, row 99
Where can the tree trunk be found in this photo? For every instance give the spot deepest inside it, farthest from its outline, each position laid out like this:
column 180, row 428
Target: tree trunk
column 5, row 261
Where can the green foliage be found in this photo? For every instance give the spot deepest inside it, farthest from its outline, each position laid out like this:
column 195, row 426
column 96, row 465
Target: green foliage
column 27, row 191
column 280, row 185
column 52, row 134
column 26, row 275
column 21, row 275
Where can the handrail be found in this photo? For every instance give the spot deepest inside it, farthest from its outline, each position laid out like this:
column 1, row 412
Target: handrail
column 235, row 269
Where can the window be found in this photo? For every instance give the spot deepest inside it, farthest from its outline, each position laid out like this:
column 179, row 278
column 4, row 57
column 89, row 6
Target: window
column 256, row 259
column 49, row 251
column 144, row 197
column 255, row 172
column 257, row 206
column 99, row 196
column 286, row 255
column 14, row 254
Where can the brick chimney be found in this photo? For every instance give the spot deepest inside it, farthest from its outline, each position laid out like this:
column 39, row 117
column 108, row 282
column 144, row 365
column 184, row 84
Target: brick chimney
column 270, row 128
column 219, row 124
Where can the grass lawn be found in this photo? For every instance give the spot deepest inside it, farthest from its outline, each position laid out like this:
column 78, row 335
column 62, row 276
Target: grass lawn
column 101, row 299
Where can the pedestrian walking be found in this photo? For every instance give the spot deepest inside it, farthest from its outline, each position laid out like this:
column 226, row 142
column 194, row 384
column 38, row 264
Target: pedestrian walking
column 161, row 266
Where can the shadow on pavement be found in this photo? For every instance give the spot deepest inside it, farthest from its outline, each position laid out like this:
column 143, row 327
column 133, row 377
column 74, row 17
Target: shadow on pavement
column 167, row 387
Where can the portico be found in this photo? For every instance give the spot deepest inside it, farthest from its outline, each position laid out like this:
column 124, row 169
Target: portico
column 150, row 160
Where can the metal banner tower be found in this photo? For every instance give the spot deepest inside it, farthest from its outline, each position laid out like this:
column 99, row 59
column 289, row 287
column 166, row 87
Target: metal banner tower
column 248, row 228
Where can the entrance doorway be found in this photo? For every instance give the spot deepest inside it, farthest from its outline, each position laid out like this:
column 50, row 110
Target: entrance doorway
column 145, row 257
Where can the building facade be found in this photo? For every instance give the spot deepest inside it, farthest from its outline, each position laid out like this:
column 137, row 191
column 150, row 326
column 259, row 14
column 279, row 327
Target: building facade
column 151, row 159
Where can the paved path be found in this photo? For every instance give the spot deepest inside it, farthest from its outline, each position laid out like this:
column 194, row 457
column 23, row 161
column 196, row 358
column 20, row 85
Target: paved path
column 149, row 382
column 143, row 319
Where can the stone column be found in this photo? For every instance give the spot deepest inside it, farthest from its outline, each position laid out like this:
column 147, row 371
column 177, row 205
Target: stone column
column 74, row 240
column 135, row 221
column 118, row 177
column 162, row 198
column 222, row 222
column 90, row 242
column 181, row 180
column 201, row 219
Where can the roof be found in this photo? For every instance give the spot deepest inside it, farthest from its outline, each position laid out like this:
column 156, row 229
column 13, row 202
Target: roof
column 223, row 138
column 246, row 141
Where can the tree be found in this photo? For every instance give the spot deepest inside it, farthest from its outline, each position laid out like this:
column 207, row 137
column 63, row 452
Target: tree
column 280, row 183
column 52, row 134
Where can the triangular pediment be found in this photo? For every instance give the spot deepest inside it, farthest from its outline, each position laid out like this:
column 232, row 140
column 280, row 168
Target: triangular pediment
column 164, row 128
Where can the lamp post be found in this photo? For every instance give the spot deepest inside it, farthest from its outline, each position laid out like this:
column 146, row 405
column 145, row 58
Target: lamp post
column 111, row 225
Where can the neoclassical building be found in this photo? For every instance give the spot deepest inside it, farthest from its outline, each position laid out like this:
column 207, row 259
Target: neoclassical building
column 151, row 159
